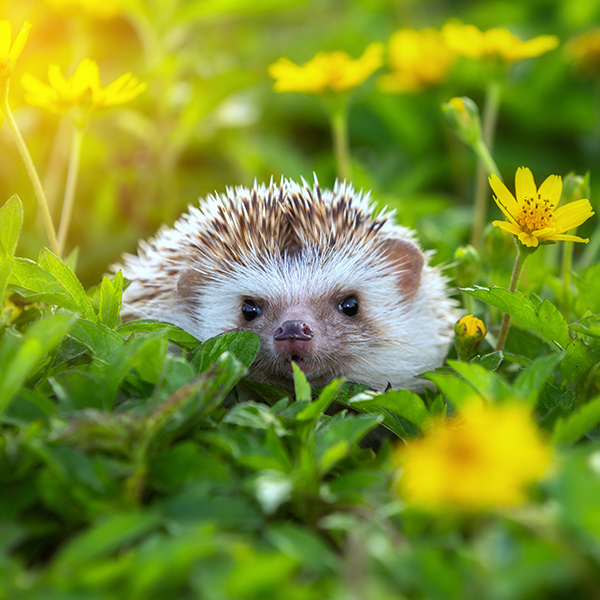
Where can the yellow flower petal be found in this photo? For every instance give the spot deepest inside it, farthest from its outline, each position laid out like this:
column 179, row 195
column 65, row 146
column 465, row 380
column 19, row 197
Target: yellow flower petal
column 573, row 214
column 5, row 39
column 510, row 227
column 524, row 184
column 19, row 43
column 504, row 199
column 551, row 189
column 570, row 238
column 528, row 240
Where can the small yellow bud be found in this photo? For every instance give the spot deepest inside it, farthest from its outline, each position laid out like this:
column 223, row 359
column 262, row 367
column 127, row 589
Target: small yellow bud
column 470, row 332
column 467, row 263
column 462, row 115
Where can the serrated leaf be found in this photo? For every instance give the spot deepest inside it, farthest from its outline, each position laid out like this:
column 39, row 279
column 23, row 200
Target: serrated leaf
column 11, row 221
column 578, row 359
column 529, row 381
column 543, row 318
column 589, row 325
column 172, row 332
column 35, row 284
column 490, row 362
column 569, row 430
column 65, row 276
column 111, row 293
column 486, row 383
column 102, row 342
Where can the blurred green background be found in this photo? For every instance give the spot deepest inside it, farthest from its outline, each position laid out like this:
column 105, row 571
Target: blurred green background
column 210, row 119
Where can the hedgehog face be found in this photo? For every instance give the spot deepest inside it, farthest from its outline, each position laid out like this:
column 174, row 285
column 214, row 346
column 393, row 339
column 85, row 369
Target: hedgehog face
column 326, row 281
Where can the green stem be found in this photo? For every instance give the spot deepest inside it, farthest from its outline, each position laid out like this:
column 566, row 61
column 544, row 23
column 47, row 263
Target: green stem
column 339, row 128
column 522, row 255
column 71, row 184
column 490, row 119
column 486, row 160
column 31, row 170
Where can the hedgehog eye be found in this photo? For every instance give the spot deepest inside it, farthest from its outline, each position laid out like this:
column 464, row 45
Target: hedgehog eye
column 251, row 310
column 349, row 306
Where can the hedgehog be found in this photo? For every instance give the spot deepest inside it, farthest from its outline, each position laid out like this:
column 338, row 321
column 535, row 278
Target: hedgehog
column 326, row 280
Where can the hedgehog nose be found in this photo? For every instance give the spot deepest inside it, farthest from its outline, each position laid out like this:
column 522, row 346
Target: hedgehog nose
column 292, row 331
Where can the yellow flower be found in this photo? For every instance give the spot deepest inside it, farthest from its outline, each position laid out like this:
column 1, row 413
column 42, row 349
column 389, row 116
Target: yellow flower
column 471, row 326
column 486, row 457
column 532, row 215
column 470, row 333
column 585, row 49
column 83, row 90
column 497, row 43
column 418, row 60
column 10, row 53
column 326, row 72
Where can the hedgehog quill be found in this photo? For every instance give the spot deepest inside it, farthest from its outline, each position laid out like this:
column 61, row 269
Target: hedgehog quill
column 326, row 281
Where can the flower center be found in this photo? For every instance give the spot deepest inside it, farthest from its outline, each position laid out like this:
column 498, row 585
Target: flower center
column 536, row 214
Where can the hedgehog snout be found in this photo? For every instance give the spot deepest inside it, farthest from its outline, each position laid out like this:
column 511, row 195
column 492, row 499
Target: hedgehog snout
column 293, row 338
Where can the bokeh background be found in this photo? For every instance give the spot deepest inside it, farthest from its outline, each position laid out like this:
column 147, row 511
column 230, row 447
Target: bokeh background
column 210, row 119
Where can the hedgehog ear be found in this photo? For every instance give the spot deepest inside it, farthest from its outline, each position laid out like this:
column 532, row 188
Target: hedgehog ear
column 406, row 261
column 188, row 283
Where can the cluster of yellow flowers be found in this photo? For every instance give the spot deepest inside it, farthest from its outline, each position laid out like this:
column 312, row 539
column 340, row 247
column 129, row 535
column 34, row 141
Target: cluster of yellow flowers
column 417, row 59
column 83, row 91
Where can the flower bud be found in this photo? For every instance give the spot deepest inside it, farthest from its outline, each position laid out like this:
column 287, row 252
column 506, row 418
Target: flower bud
column 575, row 187
column 462, row 115
column 470, row 332
column 467, row 263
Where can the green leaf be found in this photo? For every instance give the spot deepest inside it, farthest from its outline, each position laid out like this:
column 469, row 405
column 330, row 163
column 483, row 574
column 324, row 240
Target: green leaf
column 252, row 414
column 589, row 325
column 490, row 362
column 172, row 332
column 579, row 358
column 20, row 356
column 402, row 403
column 529, row 381
column 542, row 317
column 244, row 345
column 320, row 405
column 301, row 385
column 588, row 290
column 111, row 293
column 11, row 221
column 102, row 342
column 35, row 284
column 569, row 430
column 486, row 383
column 65, row 276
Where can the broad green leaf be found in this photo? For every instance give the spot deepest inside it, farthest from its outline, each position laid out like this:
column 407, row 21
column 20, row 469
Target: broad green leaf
column 54, row 265
column 11, row 221
column 529, row 381
column 5, row 269
column 569, row 430
column 35, row 284
column 111, row 293
column 402, row 403
column 578, row 359
column 104, row 538
column 486, row 383
column 172, row 332
column 252, row 414
column 242, row 344
column 455, row 388
column 588, row 288
column 589, row 325
column 26, row 353
column 542, row 317
column 320, row 405
column 490, row 362
column 102, row 342
column 301, row 385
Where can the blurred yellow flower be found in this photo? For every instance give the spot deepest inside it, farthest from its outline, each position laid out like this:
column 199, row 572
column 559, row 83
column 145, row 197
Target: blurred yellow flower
column 532, row 215
column 496, row 43
column 10, row 53
column 106, row 9
column 83, row 90
column 585, row 50
column 485, row 457
column 326, row 72
column 417, row 60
